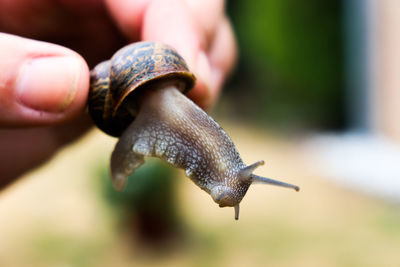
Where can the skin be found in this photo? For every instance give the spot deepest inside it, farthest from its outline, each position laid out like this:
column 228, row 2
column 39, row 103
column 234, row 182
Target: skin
column 171, row 127
column 44, row 84
column 164, row 123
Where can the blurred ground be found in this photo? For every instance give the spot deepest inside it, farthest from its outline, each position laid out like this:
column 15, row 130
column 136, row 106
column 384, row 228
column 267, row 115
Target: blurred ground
column 55, row 216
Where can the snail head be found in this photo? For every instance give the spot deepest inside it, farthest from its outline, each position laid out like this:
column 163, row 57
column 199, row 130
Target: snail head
column 230, row 194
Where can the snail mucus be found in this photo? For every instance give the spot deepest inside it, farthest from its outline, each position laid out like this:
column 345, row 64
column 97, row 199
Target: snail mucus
column 138, row 96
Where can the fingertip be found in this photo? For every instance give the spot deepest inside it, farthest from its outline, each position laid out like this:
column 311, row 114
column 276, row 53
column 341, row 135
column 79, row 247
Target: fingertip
column 41, row 83
column 222, row 52
column 203, row 93
column 52, row 87
column 50, row 84
column 214, row 67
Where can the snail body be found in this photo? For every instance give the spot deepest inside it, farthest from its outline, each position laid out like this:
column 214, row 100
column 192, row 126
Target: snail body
column 154, row 118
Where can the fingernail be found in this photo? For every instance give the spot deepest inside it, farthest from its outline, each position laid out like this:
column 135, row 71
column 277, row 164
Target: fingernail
column 48, row 83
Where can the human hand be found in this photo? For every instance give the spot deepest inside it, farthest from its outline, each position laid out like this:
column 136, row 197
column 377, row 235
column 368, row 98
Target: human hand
column 44, row 87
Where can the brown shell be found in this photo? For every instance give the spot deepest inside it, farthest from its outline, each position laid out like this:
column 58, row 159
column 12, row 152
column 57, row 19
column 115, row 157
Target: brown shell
column 112, row 104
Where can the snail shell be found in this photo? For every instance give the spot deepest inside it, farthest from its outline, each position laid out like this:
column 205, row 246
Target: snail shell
column 138, row 95
column 117, row 83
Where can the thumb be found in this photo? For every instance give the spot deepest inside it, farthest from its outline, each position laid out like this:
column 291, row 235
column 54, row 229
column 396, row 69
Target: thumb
column 40, row 83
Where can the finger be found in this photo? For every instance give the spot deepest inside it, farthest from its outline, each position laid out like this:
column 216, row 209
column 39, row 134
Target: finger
column 172, row 22
column 36, row 144
column 128, row 14
column 207, row 13
column 186, row 25
column 161, row 23
column 222, row 53
column 40, row 83
column 221, row 57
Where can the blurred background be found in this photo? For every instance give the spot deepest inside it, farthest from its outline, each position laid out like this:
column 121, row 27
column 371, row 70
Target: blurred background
column 315, row 94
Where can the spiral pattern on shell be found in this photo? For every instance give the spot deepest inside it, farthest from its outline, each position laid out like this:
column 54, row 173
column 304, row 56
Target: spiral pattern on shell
column 115, row 84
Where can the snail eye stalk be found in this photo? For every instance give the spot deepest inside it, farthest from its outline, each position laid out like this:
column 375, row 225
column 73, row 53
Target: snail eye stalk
column 265, row 180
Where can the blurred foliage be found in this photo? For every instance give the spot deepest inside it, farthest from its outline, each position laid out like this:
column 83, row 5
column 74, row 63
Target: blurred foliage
column 148, row 201
column 290, row 66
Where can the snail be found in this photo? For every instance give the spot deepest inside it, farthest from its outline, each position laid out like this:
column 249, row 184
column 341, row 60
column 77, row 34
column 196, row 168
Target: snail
column 138, row 96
